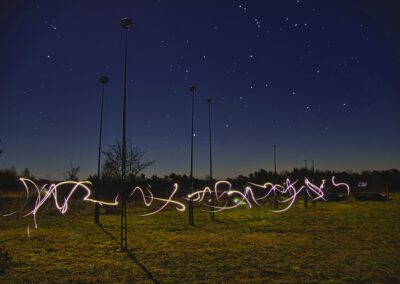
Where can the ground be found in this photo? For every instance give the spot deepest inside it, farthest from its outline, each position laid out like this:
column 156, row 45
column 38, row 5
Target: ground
column 333, row 242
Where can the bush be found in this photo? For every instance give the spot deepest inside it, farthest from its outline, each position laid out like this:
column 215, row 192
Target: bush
column 9, row 179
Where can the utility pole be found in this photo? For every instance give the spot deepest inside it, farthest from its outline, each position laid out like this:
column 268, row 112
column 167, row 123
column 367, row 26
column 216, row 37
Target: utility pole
column 275, row 180
column 212, row 216
column 314, row 202
column 191, row 218
column 103, row 81
column 126, row 24
column 305, row 190
column 274, row 160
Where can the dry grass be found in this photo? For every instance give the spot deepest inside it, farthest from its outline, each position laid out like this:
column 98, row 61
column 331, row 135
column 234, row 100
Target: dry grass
column 333, row 242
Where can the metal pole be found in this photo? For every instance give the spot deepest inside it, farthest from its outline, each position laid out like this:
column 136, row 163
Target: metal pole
column 191, row 221
column 126, row 24
column 305, row 191
column 274, row 160
column 275, row 177
column 210, row 143
column 314, row 202
column 103, row 81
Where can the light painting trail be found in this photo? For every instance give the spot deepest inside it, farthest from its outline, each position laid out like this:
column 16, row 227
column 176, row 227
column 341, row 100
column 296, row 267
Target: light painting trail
column 179, row 206
column 251, row 196
column 52, row 191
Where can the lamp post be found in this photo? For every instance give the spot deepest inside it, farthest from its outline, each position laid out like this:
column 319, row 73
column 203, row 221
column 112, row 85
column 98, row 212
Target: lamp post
column 314, row 202
column 126, row 25
column 274, row 146
column 191, row 221
column 103, row 81
column 305, row 191
column 275, row 180
column 212, row 216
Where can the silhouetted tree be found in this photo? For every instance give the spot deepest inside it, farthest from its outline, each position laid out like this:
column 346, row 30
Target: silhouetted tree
column 72, row 173
column 8, row 179
column 135, row 161
column 26, row 173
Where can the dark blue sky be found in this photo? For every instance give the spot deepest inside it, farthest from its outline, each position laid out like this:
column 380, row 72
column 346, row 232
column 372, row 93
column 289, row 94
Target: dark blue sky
column 318, row 78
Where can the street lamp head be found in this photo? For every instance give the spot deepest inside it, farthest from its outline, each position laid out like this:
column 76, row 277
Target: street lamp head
column 103, row 79
column 126, row 23
column 209, row 100
column 193, row 89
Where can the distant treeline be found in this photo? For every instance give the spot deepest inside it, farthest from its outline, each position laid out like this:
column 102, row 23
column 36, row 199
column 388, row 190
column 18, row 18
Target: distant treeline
column 377, row 180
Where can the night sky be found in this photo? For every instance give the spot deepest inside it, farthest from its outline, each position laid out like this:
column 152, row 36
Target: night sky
column 320, row 79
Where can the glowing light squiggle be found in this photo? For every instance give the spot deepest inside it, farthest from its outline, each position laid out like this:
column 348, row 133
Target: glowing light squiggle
column 52, row 191
column 287, row 192
column 179, row 206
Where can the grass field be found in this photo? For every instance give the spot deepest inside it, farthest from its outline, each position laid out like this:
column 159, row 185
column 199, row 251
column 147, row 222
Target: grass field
column 333, row 242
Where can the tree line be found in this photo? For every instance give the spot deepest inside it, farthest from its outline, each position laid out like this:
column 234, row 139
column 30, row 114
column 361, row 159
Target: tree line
column 136, row 162
column 109, row 184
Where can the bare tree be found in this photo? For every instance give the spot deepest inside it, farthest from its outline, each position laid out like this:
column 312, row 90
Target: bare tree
column 72, row 173
column 135, row 161
column 26, row 173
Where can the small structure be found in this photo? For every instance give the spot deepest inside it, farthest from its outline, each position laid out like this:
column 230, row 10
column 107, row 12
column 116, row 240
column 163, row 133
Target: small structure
column 367, row 191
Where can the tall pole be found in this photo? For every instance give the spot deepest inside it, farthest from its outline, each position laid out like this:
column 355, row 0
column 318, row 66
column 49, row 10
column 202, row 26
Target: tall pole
column 275, row 180
column 103, row 81
column 126, row 24
column 211, row 165
column 274, row 160
column 314, row 202
column 305, row 191
column 191, row 221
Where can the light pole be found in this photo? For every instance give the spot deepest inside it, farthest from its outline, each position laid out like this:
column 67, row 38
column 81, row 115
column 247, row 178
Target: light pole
column 103, row 81
column 191, row 221
column 275, row 180
column 211, row 168
column 305, row 191
column 314, row 202
column 126, row 24
column 274, row 160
